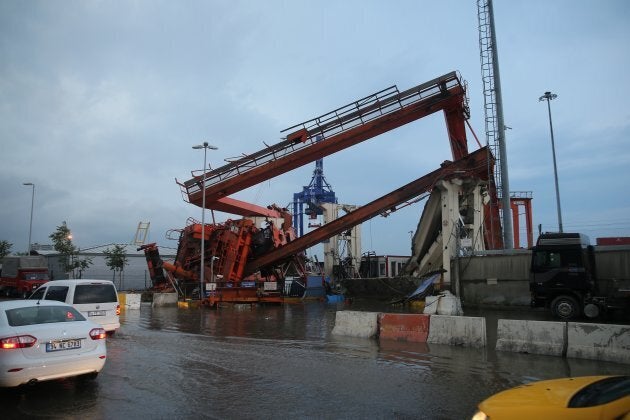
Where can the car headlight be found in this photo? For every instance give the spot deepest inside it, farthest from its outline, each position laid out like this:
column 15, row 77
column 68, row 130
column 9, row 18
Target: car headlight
column 480, row 415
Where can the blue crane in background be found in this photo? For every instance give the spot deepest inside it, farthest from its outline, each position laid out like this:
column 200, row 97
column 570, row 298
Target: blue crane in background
column 308, row 201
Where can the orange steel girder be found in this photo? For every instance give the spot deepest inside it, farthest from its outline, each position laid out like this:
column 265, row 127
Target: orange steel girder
column 456, row 126
column 473, row 165
column 526, row 203
column 492, row 221
column 243, row 208
column 450, row 100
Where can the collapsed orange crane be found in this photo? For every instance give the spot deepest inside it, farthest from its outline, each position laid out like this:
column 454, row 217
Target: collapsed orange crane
column 251, row 262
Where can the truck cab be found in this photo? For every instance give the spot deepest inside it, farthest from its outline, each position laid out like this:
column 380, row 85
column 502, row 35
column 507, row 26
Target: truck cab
column 21, row 275
column 562, row 274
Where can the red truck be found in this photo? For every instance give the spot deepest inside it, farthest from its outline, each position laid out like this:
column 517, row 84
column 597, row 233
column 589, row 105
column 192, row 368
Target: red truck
column 21, row 275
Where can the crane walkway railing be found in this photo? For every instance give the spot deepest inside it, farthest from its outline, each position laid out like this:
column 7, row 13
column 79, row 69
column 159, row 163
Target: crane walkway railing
column 304, row 135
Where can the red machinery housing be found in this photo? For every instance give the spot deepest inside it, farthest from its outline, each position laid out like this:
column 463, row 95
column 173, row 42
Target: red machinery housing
column 248, row 263
column 230, row 246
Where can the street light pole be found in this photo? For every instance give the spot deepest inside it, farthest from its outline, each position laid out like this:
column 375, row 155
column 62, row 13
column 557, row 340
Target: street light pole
column 30, row 228
column 548, row 96
column 205, row 146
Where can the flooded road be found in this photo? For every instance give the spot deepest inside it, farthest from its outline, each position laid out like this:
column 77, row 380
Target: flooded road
column 251, row 362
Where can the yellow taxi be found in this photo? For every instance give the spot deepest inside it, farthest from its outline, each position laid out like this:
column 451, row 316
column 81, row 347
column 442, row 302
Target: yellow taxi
column 586, row 397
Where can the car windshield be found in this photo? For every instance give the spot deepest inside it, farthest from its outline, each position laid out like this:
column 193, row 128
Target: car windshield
column 601, row 392
column 32, row 315
column 94, row 293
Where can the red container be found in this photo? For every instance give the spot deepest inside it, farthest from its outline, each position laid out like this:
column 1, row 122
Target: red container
column 620, row 240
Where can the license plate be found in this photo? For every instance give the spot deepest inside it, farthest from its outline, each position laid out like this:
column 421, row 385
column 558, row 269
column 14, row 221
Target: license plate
column 96, row 313
column 63, row 345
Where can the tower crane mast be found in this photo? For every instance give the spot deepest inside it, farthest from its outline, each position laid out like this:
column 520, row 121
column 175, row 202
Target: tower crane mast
column 494, row 123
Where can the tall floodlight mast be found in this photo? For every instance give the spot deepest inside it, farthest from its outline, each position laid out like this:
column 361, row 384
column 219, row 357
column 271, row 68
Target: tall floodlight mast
column 493, row 107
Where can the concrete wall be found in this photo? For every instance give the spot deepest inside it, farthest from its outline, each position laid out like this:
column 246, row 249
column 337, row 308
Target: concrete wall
column 495, row 279
column 379, row 288
column 613, row 268
column 613, row 262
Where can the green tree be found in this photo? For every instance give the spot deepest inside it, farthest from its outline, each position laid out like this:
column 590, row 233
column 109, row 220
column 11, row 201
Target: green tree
column 70, row 260
column 5, row 248
column 116, row 260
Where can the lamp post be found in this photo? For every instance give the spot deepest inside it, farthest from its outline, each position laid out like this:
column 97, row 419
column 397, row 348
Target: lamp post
column 30, row 228
column 205, row 146
column 548, row 96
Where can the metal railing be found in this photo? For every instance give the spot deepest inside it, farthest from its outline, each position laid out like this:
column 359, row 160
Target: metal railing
column 304, row 135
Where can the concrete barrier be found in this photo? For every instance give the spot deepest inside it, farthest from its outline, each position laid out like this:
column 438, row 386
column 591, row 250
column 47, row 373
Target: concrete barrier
column 457, row 330
column 132, row 301
column 536, row 337
column 579, row 340
column 356, row 324
column 164, row 299
column 404, row 327
column 599, row 341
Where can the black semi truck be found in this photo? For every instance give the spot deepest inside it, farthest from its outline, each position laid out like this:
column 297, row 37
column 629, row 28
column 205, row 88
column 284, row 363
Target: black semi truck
column 571, row 278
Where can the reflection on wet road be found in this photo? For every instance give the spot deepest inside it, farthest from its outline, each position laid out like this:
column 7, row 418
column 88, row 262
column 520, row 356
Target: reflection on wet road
column 280, row 362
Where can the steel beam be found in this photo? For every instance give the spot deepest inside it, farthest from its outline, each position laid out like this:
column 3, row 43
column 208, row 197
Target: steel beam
column 473, row 165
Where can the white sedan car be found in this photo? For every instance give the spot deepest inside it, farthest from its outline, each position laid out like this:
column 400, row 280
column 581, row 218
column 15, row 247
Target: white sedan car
column 44, row 340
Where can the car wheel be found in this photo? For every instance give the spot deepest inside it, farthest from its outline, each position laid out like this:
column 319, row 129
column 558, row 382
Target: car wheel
column 565, row 307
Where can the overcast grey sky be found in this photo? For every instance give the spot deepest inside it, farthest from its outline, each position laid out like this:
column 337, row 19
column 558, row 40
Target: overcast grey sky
column 101, row 101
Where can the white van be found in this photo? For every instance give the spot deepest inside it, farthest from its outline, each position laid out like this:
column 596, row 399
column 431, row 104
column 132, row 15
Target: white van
column 97, row 300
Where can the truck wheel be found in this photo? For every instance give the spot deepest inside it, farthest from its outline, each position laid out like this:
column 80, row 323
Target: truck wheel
column 565, row 307
column 591, row 310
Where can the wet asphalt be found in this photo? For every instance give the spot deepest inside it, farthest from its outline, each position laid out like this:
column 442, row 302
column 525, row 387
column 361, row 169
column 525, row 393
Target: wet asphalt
column 246, row 362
